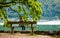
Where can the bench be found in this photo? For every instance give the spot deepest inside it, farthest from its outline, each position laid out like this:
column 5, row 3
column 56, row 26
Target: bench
column 22, row 22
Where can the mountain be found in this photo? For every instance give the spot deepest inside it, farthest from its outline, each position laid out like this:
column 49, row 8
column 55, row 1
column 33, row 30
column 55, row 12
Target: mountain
column 51, row 10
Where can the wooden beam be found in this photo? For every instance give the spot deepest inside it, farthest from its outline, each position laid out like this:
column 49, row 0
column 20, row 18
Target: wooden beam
column 22, row 22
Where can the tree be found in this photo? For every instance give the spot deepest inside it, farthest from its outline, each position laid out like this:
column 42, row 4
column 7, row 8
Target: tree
column 34, row 7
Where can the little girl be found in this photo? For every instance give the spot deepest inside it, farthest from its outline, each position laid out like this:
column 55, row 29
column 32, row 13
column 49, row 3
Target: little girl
column 22, row 25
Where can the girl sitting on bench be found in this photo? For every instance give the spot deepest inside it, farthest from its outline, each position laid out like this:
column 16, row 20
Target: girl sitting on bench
column 22, row 25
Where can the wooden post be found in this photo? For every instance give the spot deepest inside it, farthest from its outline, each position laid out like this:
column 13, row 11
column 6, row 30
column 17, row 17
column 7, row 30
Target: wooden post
column 32, row 29
column 12, row 29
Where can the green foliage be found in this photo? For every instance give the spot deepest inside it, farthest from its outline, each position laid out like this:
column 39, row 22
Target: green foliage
column 3, row 14
column 34, row 7
column 6, row 24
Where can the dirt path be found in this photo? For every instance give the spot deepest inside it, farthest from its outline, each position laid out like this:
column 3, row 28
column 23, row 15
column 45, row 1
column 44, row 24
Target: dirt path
column 19, row 35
